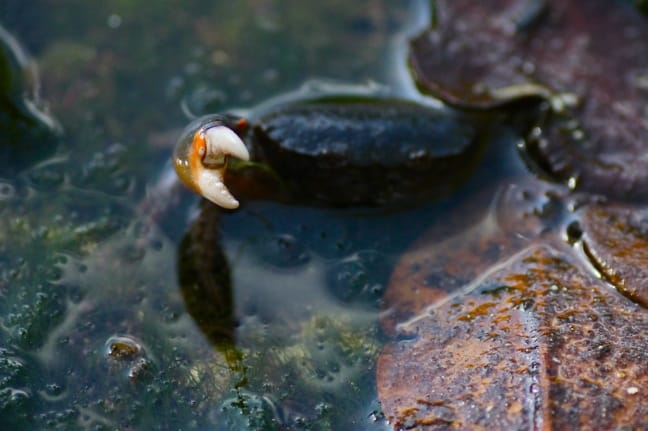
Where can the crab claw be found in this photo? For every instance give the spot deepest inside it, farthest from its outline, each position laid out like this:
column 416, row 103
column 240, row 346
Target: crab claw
column 200, row 160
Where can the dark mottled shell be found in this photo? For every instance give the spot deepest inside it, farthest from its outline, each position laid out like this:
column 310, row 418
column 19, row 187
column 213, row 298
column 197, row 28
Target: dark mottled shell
column 367, row 151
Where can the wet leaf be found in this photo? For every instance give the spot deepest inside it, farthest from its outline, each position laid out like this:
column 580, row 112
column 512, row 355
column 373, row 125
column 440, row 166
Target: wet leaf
column 616, row 240
column 537, row 344
column 502, row 326
column 463, row 246
column 587, row 59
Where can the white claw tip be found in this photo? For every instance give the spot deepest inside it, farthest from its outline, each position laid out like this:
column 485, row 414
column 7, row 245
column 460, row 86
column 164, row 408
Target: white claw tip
column 211, row 185
column 201, row 162
column 222, row 141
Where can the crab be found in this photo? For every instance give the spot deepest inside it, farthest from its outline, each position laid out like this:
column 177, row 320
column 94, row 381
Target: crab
column 330, row 151
column 533, row 316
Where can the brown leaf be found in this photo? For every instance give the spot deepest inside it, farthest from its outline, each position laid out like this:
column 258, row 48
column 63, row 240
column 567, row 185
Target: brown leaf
column 464, row 245
column 538, row 344
column 588, row 58
column 616, row 240
column 504, row 326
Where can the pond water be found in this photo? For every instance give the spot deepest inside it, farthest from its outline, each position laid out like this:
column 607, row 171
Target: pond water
column 99, row 328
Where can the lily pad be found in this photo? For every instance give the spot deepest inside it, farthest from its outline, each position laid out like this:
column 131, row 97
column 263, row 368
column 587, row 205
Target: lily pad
column 587, row 59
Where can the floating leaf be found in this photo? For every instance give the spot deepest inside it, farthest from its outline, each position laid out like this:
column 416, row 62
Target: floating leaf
column 501, row 326
column 587, row 59
column 616, row 240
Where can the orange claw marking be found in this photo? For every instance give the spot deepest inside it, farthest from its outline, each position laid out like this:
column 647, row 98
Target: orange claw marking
column 200, row 159
column 198, row 151
column 241, row 124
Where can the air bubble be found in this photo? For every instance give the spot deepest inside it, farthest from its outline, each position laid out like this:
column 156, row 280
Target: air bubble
column 573, row 232
column 284, row 251
column 123, row 347
column 54, row 390
column 141, row 368
column 578, row 135
column 114, row 21
column 359, row 278
column 7, row 191
column 528, row 68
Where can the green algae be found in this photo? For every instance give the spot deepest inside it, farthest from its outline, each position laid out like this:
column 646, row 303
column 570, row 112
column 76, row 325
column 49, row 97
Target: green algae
column 82, row 260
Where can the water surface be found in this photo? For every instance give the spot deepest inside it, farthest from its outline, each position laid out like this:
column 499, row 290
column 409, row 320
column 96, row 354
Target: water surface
column 96, row 330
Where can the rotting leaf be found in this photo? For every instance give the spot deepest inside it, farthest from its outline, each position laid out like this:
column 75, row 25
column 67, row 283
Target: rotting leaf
column 464, row 246
column 501, row 326
column 616, row 240
column 588, row 59
column 557, row 349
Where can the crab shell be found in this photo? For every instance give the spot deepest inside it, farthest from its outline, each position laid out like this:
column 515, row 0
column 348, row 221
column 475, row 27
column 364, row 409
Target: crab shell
column 201, row 156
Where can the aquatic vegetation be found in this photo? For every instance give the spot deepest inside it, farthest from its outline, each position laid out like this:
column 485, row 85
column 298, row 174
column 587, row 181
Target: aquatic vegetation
column 94, row 330
column 107, row 319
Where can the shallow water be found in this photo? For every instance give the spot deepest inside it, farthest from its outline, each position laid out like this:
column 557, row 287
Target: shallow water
column 96, row 331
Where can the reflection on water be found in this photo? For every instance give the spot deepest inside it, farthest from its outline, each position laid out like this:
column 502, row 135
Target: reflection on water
column 107, row 318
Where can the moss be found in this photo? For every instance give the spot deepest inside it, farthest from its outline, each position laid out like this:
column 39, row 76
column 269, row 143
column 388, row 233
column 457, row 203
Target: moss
column 75, row 269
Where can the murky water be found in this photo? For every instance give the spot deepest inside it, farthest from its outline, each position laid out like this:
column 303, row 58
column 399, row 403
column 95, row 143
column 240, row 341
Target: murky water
column 98, row 330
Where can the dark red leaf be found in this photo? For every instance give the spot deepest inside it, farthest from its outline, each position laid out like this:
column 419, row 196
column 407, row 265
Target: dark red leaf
column 587, row 58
